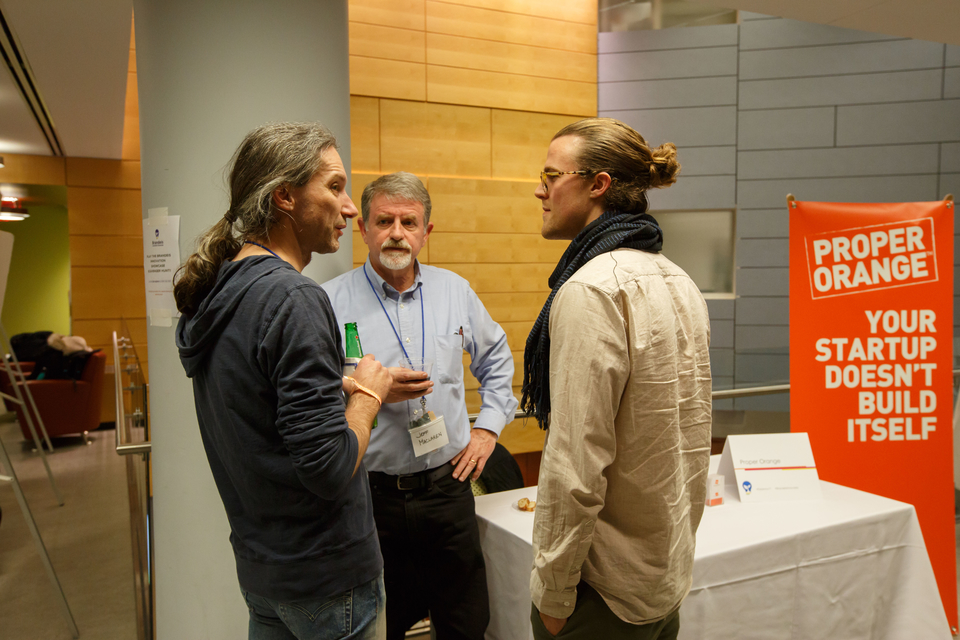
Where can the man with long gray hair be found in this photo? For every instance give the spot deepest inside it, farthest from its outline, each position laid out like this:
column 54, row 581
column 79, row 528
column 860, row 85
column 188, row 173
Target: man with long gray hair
column 408, row 312
column 261, row 344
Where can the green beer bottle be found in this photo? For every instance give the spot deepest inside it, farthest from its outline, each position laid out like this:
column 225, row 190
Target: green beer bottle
column 353, row 352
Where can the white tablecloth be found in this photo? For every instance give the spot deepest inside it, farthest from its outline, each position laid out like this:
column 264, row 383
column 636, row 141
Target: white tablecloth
column 850, row 566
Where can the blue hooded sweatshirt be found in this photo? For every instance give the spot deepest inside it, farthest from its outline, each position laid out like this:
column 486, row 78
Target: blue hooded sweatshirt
column 264, row 353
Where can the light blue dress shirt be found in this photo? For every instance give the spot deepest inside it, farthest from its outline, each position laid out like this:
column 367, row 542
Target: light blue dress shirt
column 449, row 305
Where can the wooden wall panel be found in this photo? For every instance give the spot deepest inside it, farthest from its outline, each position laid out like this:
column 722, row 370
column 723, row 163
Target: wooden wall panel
column 493, row 278
column 364, row 137
column 434, row 139
column 487, row 53
column 100, row 331
column 407, row 14
column 387, row 78
column 467, row 94
column 469, row 382
column 517, row 332
column 131, row 115
column 504, row 248
column 583, row 11
column 102, row 293
column 359, row 180
column 359, row 248
column 500, row 26
column 376, row 41
column 508, row 91
column 131, row 138
column 131, row 106
column 98, row 211
column 523, row 59
column 106, row 251
column 485, row 206
column 520, row 142
column 513, row 307
column 472, row 396
column 523, row 436
column 520, row 436
column 94, row 172
column 516, row 436
column 25, row 169
column 106, row 247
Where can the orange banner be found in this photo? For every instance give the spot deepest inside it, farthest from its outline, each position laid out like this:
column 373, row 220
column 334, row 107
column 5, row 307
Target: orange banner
column 871, row 356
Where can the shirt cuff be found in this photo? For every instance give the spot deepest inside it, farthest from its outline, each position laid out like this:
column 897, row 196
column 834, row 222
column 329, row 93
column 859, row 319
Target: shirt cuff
column 557, row 604
column 491, row 420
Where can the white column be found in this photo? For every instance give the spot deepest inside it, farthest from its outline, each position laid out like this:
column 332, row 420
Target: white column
column 208, row 73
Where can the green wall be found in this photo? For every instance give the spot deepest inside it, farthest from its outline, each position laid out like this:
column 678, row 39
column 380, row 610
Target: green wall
column 38, row 288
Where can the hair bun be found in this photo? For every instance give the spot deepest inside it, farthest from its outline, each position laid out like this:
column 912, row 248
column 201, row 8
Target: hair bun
column 665, row 167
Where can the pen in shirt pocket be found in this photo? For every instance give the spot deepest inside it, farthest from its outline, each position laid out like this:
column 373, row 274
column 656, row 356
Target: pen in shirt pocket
column 461, row 337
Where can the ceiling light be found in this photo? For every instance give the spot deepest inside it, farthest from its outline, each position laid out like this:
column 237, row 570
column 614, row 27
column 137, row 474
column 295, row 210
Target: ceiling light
column 11, row 211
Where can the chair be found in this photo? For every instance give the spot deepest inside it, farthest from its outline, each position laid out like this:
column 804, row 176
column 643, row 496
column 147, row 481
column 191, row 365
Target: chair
column 501, row 473
column 66, row 406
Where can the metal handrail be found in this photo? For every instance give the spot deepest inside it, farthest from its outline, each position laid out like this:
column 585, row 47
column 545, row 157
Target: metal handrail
column 722, row 394
column 123, row 448
column 743, row 392
column 746, row 392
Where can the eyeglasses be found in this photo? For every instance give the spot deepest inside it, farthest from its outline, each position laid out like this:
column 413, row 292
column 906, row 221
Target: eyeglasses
column 556, row 174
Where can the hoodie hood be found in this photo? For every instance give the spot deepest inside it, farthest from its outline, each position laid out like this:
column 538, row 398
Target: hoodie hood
column 197, row 333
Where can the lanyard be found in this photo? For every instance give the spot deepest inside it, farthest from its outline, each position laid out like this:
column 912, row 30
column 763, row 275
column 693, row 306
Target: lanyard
column 423, row 342
column 261, row 246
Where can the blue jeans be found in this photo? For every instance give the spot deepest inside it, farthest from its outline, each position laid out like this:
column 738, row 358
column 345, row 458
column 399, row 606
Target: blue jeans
column 357, row 614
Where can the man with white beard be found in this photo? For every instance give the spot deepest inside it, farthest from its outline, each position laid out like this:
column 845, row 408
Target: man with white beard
column 422, row 502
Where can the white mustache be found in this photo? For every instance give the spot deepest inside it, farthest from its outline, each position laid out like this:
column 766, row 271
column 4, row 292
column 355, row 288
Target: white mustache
column 395, row 244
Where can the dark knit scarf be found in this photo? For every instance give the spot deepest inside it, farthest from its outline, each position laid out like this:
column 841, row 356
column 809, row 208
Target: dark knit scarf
column 610, row 231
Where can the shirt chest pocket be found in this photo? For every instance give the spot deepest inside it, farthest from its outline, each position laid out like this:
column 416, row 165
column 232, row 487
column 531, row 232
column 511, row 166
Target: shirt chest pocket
column 449, row 358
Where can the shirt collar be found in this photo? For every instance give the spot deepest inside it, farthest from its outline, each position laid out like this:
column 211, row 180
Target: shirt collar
column 386, row 290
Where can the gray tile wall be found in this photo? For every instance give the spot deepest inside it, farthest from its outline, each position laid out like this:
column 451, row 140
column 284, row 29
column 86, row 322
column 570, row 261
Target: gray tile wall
column 771, row 107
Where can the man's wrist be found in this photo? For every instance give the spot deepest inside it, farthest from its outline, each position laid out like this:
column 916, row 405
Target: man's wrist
column 491, row 420
column 357, row 387
column 556, row 604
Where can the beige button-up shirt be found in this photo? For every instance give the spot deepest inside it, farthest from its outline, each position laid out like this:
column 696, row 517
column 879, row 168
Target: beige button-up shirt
column 623, row 477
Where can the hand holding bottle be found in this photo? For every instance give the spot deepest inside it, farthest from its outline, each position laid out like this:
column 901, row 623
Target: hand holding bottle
column 367, row 386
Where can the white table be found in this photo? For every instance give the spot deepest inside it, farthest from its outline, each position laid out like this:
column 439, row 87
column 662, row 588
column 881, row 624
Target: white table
column 850, row 566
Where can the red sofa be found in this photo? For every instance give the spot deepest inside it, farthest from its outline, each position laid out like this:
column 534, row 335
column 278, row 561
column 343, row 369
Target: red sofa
column 66, row 406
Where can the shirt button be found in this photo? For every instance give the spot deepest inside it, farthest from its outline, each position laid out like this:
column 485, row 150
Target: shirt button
column 566, row 604
column 408, row 340
column 401, row 305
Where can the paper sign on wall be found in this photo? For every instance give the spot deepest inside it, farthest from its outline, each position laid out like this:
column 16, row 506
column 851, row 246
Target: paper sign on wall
column 161, row 259
column 771, row 467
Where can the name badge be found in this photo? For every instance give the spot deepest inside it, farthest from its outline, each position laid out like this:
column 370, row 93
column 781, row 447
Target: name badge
column 429, row 437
